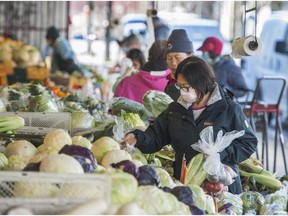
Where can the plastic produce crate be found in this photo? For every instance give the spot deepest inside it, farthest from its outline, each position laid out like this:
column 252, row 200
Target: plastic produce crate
column 37, row 125
column 47, row 193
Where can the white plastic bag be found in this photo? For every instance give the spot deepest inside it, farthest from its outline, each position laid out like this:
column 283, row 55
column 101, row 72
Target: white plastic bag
column 206, row 144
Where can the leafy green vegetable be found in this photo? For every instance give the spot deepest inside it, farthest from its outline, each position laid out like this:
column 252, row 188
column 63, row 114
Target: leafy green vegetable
column 43, row 103
column 124, row 187
column 81, row 141
column 10, row 123
column 133, row 119
column 128, row 106
column 103, row 145
column 82, row 120
column 154, row 201
column 156, row 102
column 17, row 162
column 199, row 194
column 3, row 161
column 165, row 178
column 60, row 163
column 35, row 190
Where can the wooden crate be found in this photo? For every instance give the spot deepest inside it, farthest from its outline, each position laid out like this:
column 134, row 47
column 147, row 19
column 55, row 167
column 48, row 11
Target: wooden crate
column 77, row 81
column 37, row 73
column 6, row 67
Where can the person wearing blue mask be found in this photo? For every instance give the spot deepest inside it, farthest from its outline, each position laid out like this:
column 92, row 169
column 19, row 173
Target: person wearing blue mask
column 226, row 71
column 202, row 103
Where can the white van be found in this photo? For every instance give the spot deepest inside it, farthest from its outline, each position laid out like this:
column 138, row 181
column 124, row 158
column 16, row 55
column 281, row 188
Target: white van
column 273, row 60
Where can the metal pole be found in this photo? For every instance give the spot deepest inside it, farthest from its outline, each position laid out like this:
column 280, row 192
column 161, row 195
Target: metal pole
column 107, row 36
column 68, row 19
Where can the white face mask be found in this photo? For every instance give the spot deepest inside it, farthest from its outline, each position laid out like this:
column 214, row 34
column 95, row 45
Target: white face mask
column 190, row 96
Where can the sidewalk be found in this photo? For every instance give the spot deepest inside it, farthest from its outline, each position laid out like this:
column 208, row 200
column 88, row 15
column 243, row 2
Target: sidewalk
column 280, row 170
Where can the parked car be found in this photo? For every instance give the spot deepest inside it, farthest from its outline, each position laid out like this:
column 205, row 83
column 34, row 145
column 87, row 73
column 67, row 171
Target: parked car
column 273, row 59
column 197, row 28
column 134, row 24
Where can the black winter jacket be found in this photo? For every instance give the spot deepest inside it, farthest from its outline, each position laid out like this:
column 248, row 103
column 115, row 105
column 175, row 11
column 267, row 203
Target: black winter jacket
column 176, row 126
column 229, row 75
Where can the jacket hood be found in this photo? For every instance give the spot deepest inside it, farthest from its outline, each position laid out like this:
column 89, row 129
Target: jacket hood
column 153, row 78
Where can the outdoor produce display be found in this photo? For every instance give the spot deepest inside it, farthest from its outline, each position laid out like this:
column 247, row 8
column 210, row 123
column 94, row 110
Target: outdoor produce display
column 133, row 183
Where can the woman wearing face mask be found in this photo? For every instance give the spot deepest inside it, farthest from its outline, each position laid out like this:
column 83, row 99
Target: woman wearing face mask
column 202, row 103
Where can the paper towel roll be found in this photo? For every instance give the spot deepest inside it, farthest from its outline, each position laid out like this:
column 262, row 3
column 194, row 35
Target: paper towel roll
column 243, row 46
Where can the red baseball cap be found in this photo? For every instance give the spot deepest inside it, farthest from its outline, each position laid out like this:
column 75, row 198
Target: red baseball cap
column 212, row 44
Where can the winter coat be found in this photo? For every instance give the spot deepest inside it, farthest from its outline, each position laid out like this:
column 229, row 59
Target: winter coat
column 229, row 75
column 176, row 126
column 63, row 57
column 135, row 86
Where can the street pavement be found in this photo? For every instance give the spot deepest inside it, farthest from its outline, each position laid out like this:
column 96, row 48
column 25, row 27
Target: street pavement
column 280, row 170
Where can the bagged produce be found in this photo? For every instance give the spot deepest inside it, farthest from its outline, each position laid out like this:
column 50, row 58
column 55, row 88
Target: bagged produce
column 252, row 202
column 279, row 198
column 211, row 148
column 230, row 204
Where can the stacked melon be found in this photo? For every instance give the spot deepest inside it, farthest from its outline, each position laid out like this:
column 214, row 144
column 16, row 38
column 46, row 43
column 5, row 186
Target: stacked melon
column 18, row 54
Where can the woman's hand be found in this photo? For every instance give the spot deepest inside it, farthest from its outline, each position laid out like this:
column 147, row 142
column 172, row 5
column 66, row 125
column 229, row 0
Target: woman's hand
column 130, row 139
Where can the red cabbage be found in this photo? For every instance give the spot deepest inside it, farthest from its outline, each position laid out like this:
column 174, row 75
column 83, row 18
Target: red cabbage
column 127, row 166
column 148, row 176
column 80, row 152
column 32, row 167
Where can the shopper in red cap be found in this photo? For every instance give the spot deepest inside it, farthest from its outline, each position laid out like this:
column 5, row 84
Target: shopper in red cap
column 227, row 73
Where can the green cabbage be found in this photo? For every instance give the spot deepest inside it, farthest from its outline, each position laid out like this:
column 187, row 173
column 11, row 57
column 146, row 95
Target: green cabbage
column 136, row 154
column 60, row 163
column 124, row 187
column 165, row 178
column 57, row 139
column 200, row 196
column 21, row 148
column 155, row 201
column 210, row 207
column 82, row 141
column 17, row 162
column 87, row 190
column 34, row 189
column 103, row 145
column 82, row 120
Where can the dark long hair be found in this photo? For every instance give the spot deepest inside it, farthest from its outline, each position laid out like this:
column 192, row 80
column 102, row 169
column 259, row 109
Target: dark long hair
column 138, row 55
column 198, row 74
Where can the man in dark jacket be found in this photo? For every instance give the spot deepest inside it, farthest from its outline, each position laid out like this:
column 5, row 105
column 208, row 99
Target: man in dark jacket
column 63, row 57
column 227, row 73
column 179, row 47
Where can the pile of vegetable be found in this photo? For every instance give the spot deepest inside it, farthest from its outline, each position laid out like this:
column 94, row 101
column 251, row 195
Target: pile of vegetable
column 20, row 55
